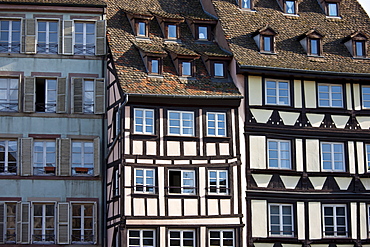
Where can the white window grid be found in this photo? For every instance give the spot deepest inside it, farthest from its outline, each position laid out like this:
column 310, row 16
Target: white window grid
column 8, row 152
column 181, row 123
column 221, row 237
column 83, row 223
column 47, row 36
column 216, row 124
column 43, row 223
column 88, row 95
column 84, row 38
column 143, row 121
column 145, row 180
column 10, row 36
column 334, row 220
column 279, row 154
column 141, row 238
column 365, row 97
column 281, row 220
column 330, row 95
column 218, row 182
column 277, row 92
column 44, row 157
column 187, row 183
column 82, row 157
column 181, row 238
column 9, row 94
column 332, row 156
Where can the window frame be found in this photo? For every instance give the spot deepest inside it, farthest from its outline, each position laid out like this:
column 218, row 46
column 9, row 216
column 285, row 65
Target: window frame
column 223, row 70
column 150, row 65
column 82, row 217
column 216, row 126
column 11, row 104
column 137, row 28
column 47, row 36
column 249, row 3
column 145, row 186
column 181, row 123
column 144, row 123
column 183, row 187
column 363, row 50
column 330, row 93
column 43, row 222
column 335, row 225
column 294, row 7
column 310, row 46
column 12, row 46
column 181, row 70
column 47, row 106
column 271, row 43
column 218, row 187
column 5, row 221
column 181, row 238
column 278, row 95
column 279, row 151
column 328, row 4
column 141, row 237
column 6, row 157
column 208, row 29
column 332, row 156
column 167, row 30
column 367, row 153
column 281, row 220
column 88, row 106
column 221, row 239
column 78, row 169
column 363, row 100
column 87, row 49
column 49, row 170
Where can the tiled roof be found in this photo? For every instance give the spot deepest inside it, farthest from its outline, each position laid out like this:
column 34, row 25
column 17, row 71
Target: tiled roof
column 239, row 25
column 99, row 3
column 126, row 50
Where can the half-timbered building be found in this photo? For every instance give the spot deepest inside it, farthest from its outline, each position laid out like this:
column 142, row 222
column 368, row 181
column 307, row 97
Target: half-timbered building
column 173, row 162
column 304, row 71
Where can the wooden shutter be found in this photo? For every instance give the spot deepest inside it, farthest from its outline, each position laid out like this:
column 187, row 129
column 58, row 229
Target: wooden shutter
column 77, row 84
column 63, row 223
column 64, row 155
column 100, row 46
column 62, row 93
column 2, row 222
column 96, row 156
column 99, row 104
column 23, row 225
column 26, row 156
column 20, row 93
column 68, row 37
column 29, row 94
column 30, row 38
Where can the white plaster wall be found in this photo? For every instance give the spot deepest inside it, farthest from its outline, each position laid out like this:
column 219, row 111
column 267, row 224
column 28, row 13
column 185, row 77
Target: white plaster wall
column 348, row 96
column 127, row 195
column 225, row 207
column 299, row 154
column 190, row 148
column 174, row 207
column 259, row 219
column 351, row 157
column 257, row 152
column 211, row 149
column 161, row 197
column 255, row 90
column 312, row 155
column 301, row 221
column 213, row 207
column 310, row 94
column 363, row 221
column 224, row 149
column 151, row 148
column 202, row 193
column 353, row 223
column 297, row 94
column 137, row 147
column 190, row 207
column 357, row 97
column 139, row 207
column 173, row 148
column 315, row 220
column 360, row 157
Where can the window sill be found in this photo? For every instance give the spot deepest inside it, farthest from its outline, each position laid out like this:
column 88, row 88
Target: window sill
column 142, row 38
column 248, row 10
column 268, row 53
column 291, row 15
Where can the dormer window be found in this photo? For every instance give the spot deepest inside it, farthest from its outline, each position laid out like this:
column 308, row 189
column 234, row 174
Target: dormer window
column 140, row 24
column 203, row 33
column 359, row 48
column 356, row 44
column 268, row 44
column 246, row 4
column 312, row 43
column 154, row 65
column 171, row 31
column 314, row 47
column 332, row 9
column 219, row 69
column 152, row 57
column 265, row 39
column 290, row 7
column 141, row 29
column 170, row 26
column 186, row 68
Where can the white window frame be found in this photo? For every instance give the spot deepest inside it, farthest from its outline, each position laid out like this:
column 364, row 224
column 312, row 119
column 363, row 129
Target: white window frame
column 365, row 97
column 181, row 125
column 145, row 121
column 6, row 156
column 278, row 92
column 82, row 155
column 183, row 187
column 85, row 49
column 216, row 122
column 218, row 185
column 82, row 217
column 279, row 153
column 330, row 93
column 10, row 46
column 49, row 105
column 281, row 220
column 221, row 238
column 43, row 225
column 332, row 156
column 141, row 237
column 44, row 152
column 181, row 238
column 335, row 220
column 145, row 186
column 88, row 106
column 5, row 222
column 7, row 104
column 47, row 32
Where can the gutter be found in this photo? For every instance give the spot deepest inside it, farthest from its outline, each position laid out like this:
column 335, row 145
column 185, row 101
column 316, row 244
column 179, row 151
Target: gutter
column 189, row 96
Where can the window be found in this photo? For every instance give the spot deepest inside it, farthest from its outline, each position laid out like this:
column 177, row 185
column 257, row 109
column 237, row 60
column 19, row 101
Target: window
column 116, row 183
column 203, row 33
column 171, row 31
column 43, row 223
column 335, row 221
column 181, row 182
column 88, row 96
column 154, row 66
column 83, row 223
column 82, row 157
column 84, row 38
column 219, row 69
column 186, row 68
column 44, row 157
column 47, row 37
column 221, row 238
column 277, row 92
column 144, row 121
column 46, row 95
column 330, row 95
column 279, row 154
column 181, row 123
column 290, row 7
column 141, row 29
column 8, row 157
column 267, row 44
column 366, row 97
column 246, row 4
column 9, row 221
column 332, row 156
column 182, row 238
column 332, row 9
column 144, row 180
column 10, row 36
column 9, row 94
column 216, row 124
column 360, row 49
column 368, row 156
column 314, row 47
column 218, row 182
column 141, row 238
column 281, row 220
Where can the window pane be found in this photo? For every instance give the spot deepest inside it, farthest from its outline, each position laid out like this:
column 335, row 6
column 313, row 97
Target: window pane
column 219, row 69
column 172, row 31
column 246, row 4
column 267, row 43
column 290, row 8
column 202, row 33
column 332, row 9
column 186, row 68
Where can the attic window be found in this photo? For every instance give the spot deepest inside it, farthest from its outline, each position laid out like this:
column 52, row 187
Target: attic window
column 356, row 44
column 218, row 69
column 332, row 9
column 265, row 39
column 171, row 30
column 314, row 47
column 267, row 43
column 312, row 43
column 246, row 4
column 141, row 28
column 290, row 7
column 203, row 32
column 154, row 65
column 359, row 49
column 186, row 68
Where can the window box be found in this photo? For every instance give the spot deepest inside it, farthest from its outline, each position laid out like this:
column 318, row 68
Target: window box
column 81, row 169
column 49, row 169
